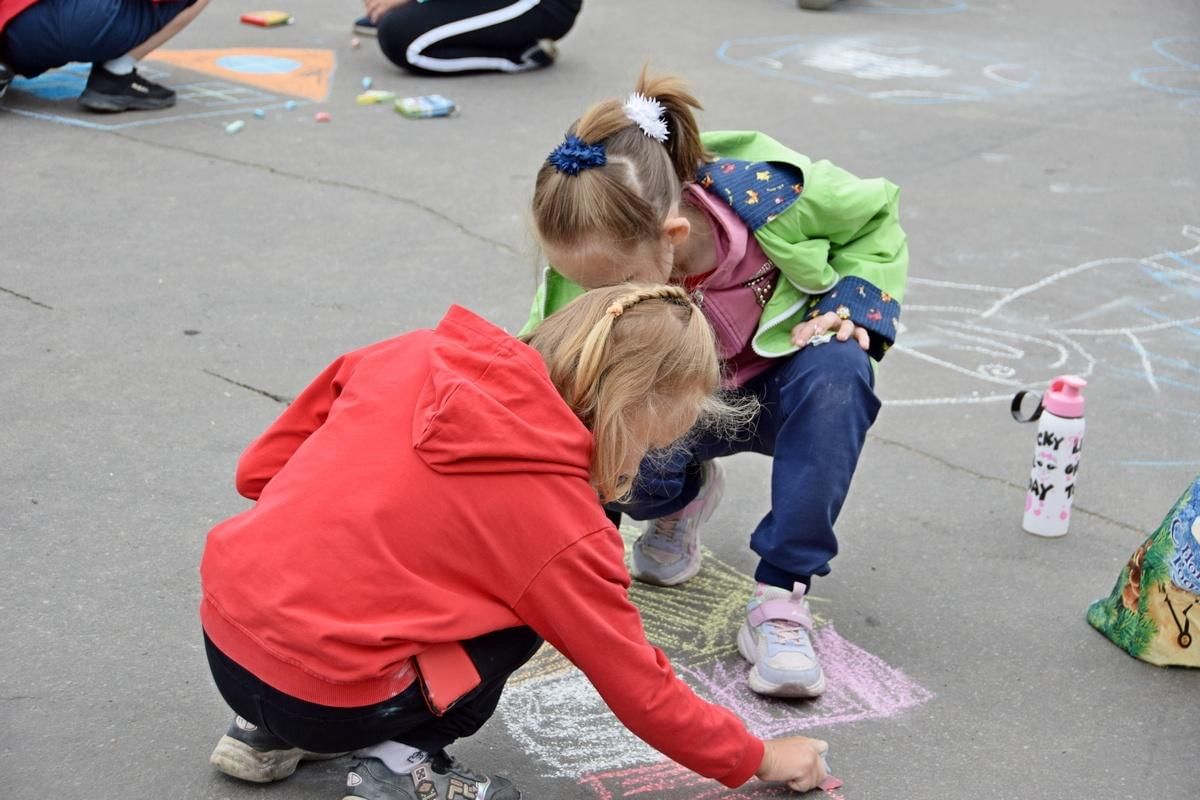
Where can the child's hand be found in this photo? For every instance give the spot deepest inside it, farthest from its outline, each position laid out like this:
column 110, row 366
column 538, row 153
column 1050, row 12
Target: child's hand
column 795, row 761
column 803, row 333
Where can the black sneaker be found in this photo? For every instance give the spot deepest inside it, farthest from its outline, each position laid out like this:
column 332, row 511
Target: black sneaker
column 364, row 27
column 6, row 76
column 542, row 54
column 108, row 92
column 252, row 754
column 439, row 778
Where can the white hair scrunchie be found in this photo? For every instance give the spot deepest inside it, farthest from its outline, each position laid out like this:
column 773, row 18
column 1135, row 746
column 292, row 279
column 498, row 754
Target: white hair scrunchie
column 647, row 114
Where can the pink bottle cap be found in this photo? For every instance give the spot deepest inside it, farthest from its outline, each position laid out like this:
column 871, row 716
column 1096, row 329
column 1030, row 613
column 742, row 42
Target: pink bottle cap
column 1064, row 398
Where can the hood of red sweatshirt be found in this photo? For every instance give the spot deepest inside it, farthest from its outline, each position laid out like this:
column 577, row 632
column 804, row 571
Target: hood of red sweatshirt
column 488, row 406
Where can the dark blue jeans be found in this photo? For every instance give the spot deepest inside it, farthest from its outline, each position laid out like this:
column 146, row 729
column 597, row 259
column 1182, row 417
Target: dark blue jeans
column 816, row 407
column 404, row 718
column 51, row 33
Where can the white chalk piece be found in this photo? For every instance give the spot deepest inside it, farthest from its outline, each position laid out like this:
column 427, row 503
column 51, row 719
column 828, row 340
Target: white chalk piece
column 259, row 113
column 235, row 126
column 366, row 83
column 355, row 42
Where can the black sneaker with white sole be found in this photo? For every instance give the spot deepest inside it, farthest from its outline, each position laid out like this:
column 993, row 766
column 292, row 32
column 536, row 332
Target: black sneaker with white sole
column 107, row 92
column 439, row 778
column 252, row 754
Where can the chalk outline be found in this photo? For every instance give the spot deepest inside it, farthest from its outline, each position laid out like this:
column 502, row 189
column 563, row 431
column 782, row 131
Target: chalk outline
column 1159, row 45
column 914, row 96
column 550, row 682
column 1188, row 271
column 267, row 102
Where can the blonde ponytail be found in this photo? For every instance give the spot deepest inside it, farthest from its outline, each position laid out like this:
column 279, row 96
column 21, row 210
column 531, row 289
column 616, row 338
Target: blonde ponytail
column 618, row 353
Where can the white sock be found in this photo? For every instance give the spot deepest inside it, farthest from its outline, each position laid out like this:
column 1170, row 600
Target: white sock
column 399, row 758
column 121, row 66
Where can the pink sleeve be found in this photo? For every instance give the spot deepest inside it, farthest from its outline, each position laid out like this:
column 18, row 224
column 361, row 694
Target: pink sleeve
column 579, row 603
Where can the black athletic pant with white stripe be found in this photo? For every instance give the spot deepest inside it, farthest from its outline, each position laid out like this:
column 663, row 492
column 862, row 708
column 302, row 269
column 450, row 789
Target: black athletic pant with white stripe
column 448, row 36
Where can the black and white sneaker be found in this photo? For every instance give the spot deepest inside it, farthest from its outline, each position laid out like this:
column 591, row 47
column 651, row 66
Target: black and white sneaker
column 6, row 76
column 542, row 54
column 107, row 92
column 252, row 754
column 439, row 778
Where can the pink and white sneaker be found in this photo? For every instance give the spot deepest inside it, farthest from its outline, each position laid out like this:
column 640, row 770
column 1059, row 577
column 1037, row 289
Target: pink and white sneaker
column 776, row 639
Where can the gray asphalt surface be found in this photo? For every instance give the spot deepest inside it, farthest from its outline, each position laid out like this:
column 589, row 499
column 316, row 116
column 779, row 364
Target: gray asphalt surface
column 165, row 286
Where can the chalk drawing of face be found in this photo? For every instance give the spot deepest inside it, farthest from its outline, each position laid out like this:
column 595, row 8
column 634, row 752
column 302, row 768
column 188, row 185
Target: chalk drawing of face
column 981, row 343
column 1185, row 535
column 886, row 68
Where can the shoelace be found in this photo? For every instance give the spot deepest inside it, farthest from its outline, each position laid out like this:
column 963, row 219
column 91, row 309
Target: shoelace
column 666, row 527
column 783, row 631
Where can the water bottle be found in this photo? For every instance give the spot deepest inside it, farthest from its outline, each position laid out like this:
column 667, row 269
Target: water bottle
column 1055, row 455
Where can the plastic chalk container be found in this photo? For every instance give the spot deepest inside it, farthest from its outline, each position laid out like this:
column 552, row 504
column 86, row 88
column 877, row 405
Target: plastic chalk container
column 425, row 106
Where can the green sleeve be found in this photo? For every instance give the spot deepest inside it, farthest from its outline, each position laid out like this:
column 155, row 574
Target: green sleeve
column 841, row 226
column 553, row 293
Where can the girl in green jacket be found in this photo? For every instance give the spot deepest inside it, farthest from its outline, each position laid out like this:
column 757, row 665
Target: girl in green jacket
column 800, row 268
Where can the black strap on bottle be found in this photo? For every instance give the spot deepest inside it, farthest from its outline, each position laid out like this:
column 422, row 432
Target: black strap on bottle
column 1018, row 398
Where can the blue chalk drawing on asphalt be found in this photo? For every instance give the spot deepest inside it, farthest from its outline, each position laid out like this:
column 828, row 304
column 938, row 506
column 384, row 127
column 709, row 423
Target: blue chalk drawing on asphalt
column 60, row 84
column 891, row 69
column 1180, row 80
column 259, row 65
column 196, row 100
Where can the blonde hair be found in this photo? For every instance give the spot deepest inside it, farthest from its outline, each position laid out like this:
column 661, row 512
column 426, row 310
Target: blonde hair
column 625, row 201
column 620, row 352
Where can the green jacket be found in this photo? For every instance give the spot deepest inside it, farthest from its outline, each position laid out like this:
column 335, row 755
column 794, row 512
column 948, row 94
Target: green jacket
column 839, row 229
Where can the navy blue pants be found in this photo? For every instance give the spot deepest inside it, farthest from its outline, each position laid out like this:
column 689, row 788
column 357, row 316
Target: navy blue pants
column 816, row 407
column 51, row 33
column 404, row 718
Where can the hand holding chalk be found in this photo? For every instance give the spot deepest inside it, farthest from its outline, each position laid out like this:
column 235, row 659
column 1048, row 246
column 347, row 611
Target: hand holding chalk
column 797, row 761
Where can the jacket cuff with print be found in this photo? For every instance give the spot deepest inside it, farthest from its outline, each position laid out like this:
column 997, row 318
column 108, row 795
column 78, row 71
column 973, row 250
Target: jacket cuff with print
column 864, row 304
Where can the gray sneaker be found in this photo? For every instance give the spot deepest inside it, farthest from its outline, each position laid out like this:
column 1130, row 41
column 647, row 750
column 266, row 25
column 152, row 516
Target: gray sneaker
column 439, row 778
column 668, row 552
column 251, row 754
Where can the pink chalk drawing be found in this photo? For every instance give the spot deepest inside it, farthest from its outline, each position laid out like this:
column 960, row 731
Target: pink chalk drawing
column 860, row 686
column 553, row 713
column 669, row 780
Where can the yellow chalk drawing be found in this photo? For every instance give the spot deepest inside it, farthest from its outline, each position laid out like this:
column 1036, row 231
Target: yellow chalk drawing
column 696, row 622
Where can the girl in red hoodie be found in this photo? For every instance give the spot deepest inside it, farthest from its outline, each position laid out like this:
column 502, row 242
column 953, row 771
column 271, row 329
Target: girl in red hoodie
column 425, row 516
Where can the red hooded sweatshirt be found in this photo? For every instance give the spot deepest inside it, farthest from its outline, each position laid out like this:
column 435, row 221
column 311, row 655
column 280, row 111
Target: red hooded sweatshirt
column 426, row 490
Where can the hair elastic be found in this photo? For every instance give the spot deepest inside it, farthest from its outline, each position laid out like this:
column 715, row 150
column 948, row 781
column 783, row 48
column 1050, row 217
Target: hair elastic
column 647, row 113
column 575, row 155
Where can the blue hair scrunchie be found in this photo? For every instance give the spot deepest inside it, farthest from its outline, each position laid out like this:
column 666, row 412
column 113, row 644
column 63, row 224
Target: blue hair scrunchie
column 575, row 155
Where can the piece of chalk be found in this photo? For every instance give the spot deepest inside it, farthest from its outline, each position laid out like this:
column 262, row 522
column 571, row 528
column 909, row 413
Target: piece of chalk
column 372, row 96
column 830, row 783
column 259, row 113
column 290, row 105
column 322, row 116
column 235, row 126
column 366, row 82
column 355, row 42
